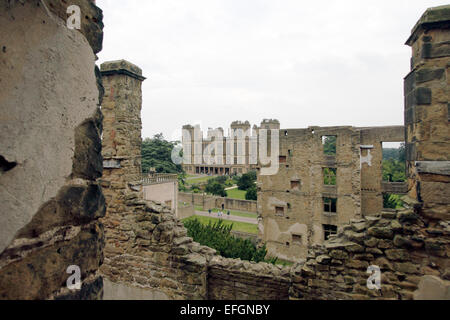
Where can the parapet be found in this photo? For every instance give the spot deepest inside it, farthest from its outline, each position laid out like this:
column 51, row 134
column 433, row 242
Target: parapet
column 435, row 17
column 240, row 124
column 121, row 67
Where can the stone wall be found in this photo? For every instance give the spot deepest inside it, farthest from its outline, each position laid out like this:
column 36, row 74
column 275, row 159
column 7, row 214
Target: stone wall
column 185, row 211
column 427, row 114
column 209, row 202
column 411, row 246
column 164, row 192
column 50, row 146
column 148, row 253
column 401, row 243
column 291, row 202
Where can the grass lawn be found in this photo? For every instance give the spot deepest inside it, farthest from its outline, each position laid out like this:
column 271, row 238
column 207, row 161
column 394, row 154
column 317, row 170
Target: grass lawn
column 284, row 262
column 197, row 179
column 236, row 194
column 237, row 226
column 232, row 212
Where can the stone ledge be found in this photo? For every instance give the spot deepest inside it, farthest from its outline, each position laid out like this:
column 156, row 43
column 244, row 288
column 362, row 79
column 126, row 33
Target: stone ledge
column 433, row 167
column 432, row 18
column 121, row 67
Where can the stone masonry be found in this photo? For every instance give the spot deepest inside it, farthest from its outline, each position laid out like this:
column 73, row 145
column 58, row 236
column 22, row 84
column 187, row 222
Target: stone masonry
column 50, row 150
column 147, row 252
column 148, row 249
column 292, row 206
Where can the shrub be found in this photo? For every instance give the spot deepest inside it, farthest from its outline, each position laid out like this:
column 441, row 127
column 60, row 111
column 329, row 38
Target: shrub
column 216, row 188
column 247, row 180
column 252, row 193
column 218, row 236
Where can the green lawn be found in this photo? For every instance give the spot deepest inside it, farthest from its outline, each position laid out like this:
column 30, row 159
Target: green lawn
column 237, row 226
column 284, row 262
column 236, row 194
column 232, row 212
column 191, row 179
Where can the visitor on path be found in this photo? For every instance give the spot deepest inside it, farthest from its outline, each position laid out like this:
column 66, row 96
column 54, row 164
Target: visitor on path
column 228, row 214
column 209, row 211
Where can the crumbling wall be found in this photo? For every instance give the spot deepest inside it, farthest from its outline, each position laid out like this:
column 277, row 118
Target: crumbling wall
column 400, row 243
column 372, row 185
column 410, row 246
column 291, row 201
column 234, row 279
column 147, row 253
column 298, row 190
column 148, row 248
column 50, row 150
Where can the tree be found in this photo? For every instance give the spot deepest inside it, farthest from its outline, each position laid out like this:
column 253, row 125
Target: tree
column 157, row 153
column 392, row 201
column 247, row 180
column 252, row 193
column 329, row 145
column 218, row 236
column 394, row 171
column 216, row 188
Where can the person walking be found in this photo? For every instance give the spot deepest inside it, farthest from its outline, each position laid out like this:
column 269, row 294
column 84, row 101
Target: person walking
column 209, row 211
column 228, row 214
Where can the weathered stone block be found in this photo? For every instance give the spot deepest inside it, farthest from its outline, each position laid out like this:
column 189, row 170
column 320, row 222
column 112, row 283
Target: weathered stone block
column 381, row 232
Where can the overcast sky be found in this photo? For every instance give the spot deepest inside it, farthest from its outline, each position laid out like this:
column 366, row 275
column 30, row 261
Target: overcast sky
column 210, row 62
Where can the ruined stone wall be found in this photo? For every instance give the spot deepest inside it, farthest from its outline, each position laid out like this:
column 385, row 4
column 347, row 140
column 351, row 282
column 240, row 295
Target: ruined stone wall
column 145, row 246
column 400, row 243
column 147, row 253
column 164, row 192
column 233, row 279
column 427, row 114
column 291, row 204
column 150, row 256
column 50, row 150
column 372, row 186
column 411, row 246
column 301, row 204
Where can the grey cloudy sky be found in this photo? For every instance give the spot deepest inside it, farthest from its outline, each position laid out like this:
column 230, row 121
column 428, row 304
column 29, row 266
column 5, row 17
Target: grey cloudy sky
column 302, row 62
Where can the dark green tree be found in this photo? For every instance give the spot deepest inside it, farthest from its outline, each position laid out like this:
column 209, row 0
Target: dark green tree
column 218, row 236
column 329, row 145
column 252, row 193
column 247, row 180
column 157, row 153
column 216, row 188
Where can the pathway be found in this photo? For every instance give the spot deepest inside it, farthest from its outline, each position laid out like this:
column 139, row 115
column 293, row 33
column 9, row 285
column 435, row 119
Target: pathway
column 225, row 217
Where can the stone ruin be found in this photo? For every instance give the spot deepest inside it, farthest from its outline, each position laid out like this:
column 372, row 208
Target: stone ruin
column 55, row 210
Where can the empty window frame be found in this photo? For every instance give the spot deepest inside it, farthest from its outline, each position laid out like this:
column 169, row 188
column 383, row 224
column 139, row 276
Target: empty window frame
column 328, row 229
column 295, row 184
column 329, row 145
column 279, row 210
column 393, row 163
column 297, row 239
column 329, row 176
column 329, row 205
